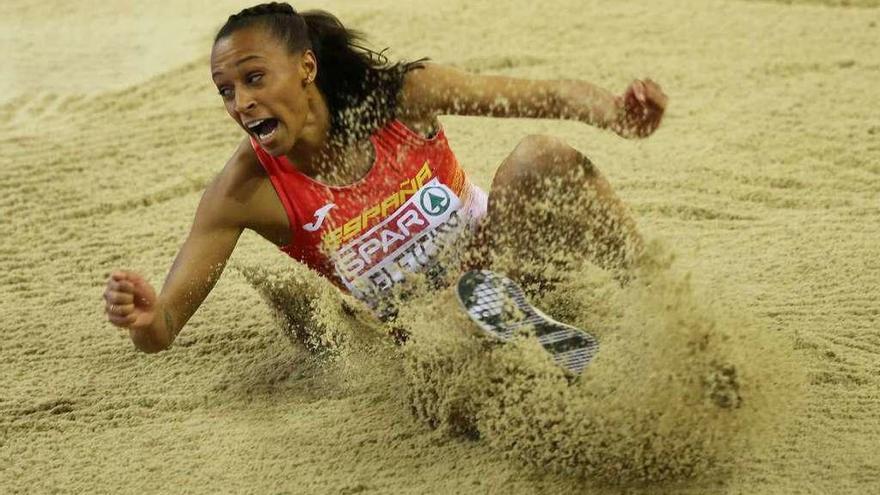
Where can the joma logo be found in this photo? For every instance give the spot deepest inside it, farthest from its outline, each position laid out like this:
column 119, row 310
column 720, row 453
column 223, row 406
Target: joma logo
column 320, row 215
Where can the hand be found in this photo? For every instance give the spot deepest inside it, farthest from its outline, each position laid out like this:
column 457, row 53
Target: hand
column 640, row 109
column 130, row 301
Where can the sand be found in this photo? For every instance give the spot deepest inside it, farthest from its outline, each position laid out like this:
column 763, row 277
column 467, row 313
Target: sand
column 744, row 360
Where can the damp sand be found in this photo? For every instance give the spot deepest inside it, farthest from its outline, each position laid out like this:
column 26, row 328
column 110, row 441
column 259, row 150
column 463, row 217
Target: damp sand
column 742, row 359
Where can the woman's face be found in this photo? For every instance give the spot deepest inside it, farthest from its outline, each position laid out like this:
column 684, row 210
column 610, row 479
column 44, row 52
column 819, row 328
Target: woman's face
column 263, row 86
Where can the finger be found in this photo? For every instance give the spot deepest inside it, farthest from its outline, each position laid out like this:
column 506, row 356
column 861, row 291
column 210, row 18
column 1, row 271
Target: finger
column 660, row 101
column 651, row 127
column 630, row 99
column 657, row 118
column 651, row 84
column 121, row 286
column 656, row 95
column 657, row 112
column 116, row 297
column 143, row 295
column 647, row 128
column 639, row 90
column 139, row 286
column 662, row 98
column 120, row 309
column 135, row 278
column 655, row 101
column 129, row 275
column 652, row 113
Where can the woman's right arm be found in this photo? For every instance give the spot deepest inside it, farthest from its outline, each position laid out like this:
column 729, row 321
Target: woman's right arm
column 154, row 321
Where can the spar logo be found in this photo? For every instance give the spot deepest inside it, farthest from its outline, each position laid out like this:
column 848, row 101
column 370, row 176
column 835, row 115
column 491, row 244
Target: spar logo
column 435, row 200
column 369, row 250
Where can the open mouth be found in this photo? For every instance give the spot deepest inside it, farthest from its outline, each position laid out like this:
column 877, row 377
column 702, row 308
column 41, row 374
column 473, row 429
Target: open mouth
column 263, row 128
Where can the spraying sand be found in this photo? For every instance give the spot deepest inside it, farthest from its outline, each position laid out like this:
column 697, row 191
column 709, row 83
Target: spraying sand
column 741, row 359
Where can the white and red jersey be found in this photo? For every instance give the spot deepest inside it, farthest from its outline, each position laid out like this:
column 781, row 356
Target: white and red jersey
column 365, row 236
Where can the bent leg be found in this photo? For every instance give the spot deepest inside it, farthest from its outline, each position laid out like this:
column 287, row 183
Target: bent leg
column 550, row 208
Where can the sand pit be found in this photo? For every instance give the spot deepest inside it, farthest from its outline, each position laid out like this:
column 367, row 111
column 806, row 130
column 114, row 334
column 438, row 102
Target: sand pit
column 743, row 361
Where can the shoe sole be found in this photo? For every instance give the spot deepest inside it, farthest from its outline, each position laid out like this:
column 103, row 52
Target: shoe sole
column 500, row 308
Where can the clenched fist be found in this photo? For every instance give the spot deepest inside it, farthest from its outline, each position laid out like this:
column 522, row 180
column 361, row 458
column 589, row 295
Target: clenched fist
column 640, row 109
column 130, row 301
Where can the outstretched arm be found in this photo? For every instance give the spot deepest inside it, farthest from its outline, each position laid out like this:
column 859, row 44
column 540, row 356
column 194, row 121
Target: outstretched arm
column 438, row 89
column 154, row 321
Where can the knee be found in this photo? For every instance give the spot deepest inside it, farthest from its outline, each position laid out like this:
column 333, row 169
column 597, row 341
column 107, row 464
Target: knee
column 539, row 151
column 537, row 156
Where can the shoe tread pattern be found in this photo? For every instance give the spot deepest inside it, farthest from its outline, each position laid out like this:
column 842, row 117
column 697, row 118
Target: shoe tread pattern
column 500, row 308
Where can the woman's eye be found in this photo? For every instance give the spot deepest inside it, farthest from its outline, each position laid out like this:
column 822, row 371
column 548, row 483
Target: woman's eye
column 254, row 78
column 226, row 93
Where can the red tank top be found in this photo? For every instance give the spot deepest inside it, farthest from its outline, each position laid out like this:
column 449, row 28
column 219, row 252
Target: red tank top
column 363, row 236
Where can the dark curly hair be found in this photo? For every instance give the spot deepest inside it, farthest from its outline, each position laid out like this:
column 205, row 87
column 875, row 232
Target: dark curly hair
column 360, row 85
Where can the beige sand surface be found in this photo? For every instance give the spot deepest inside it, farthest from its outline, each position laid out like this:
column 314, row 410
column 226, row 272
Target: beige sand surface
column 763, row 184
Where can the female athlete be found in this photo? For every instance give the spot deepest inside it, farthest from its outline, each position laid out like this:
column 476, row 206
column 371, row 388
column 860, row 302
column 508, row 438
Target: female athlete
column 345, row 167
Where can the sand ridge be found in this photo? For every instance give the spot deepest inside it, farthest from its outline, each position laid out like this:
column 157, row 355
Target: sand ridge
column 763, row 182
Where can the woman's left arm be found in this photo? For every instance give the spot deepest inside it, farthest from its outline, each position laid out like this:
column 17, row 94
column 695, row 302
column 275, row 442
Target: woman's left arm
column 439, row 90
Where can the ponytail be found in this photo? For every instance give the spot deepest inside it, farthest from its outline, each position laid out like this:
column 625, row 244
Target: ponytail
column 361, row 87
